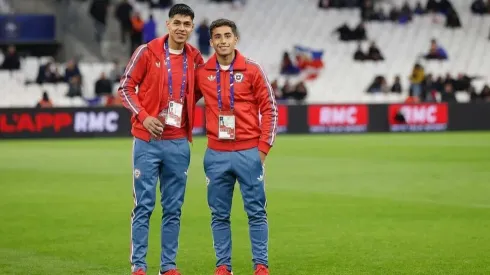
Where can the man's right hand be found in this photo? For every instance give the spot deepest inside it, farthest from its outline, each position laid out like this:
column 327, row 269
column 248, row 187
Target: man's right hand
column 154, row 126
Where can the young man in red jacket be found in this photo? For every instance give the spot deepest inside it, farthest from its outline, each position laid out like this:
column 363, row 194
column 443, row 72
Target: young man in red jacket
column 163, row 112
column 235, row 90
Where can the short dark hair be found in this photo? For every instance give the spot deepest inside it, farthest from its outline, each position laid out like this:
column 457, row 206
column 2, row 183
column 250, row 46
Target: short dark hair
column 181, row 9
column 223, row 22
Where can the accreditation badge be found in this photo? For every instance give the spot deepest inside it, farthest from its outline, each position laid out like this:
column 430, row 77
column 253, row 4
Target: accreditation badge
column 226, row 126
column 174, row 114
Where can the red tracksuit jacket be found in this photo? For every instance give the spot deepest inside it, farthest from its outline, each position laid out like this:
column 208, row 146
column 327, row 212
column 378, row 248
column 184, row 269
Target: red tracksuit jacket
column 253, row 92
column 147, row 70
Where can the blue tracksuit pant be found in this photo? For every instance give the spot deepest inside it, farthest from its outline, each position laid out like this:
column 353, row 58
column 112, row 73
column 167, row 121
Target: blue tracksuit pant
column 222, row 170
column 168, row 161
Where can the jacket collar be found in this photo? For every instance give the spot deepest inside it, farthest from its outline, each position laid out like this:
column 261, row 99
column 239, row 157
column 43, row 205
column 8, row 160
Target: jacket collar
column 239, row 65
column 156, row 46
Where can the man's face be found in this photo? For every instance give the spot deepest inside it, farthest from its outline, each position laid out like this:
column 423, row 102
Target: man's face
column 223, row 40
column 180, row 27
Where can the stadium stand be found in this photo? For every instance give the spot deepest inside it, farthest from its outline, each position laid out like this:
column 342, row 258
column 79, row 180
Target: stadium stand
column 269, row 28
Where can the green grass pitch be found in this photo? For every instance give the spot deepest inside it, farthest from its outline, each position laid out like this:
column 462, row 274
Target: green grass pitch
column 342, row 204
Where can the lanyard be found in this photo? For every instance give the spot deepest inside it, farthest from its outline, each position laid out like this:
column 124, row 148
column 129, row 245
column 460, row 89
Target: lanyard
column 232, row 87
column 169, row 73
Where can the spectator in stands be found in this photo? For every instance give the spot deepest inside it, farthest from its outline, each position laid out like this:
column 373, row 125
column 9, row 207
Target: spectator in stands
column 203, row 38
column 439, row 84
column 45, row 102
column 419, row 10
column 436, row 52
column 416, row 79
column 380, row 15
column 346, row 34
column 433, row 6
column 12, row 60
column 397, row 85
column 374, row 53
column 485, row 93
column 359, row 54
column 367, row 10
column 275, row 88
column 452, row 19
column 449, row 79
column 74, row 87
column 429, row 90
column 405, row 13
column 394, row 14
column 149, row 30
column 448, row 94
column 48, row 73
column 344, row 31
column 463, row 82
column 287, row 66
column 116, row 72
column 287, row 90
column 445, row 7
column 103, row 86
column 137, row 25
column 71, row 70
column 378, row 85
column 300, row 92
column 479, row 7
column 98, row 11
column 123, row 15
column 359, row 33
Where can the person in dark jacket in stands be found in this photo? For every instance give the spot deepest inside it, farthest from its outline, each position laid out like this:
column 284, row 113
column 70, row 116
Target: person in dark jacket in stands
column 359, row 33
column 397, row 86
column 98, row 11
column 203, row 38
column 485, row 93
column 12, row 60
column 374, row 53
column 137, row 31
column 123, row 15
column 103, row 86
column 71, row 70
column 452, row 19
column 359, row 55
column 448, row 94
column 478, row 7
column 419, row 10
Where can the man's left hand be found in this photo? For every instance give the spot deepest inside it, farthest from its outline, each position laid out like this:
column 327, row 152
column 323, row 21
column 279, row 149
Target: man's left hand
column 262, row 156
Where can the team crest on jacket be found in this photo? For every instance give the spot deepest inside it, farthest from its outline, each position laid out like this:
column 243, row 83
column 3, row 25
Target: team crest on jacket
column 238, row 77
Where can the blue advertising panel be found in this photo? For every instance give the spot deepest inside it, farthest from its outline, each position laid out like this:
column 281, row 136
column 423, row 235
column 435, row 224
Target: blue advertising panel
column 19, row 28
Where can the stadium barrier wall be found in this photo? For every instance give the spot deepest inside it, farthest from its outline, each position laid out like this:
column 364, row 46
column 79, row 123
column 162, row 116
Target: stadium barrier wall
column 298, row 119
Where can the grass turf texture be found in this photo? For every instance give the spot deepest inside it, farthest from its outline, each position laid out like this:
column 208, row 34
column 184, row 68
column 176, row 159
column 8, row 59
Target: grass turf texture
column 361, row 204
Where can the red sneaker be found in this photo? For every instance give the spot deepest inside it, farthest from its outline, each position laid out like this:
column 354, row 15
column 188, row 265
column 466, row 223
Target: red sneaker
column 171, row 272
column 261, row 270
column 222, row 270
column 139, row 272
